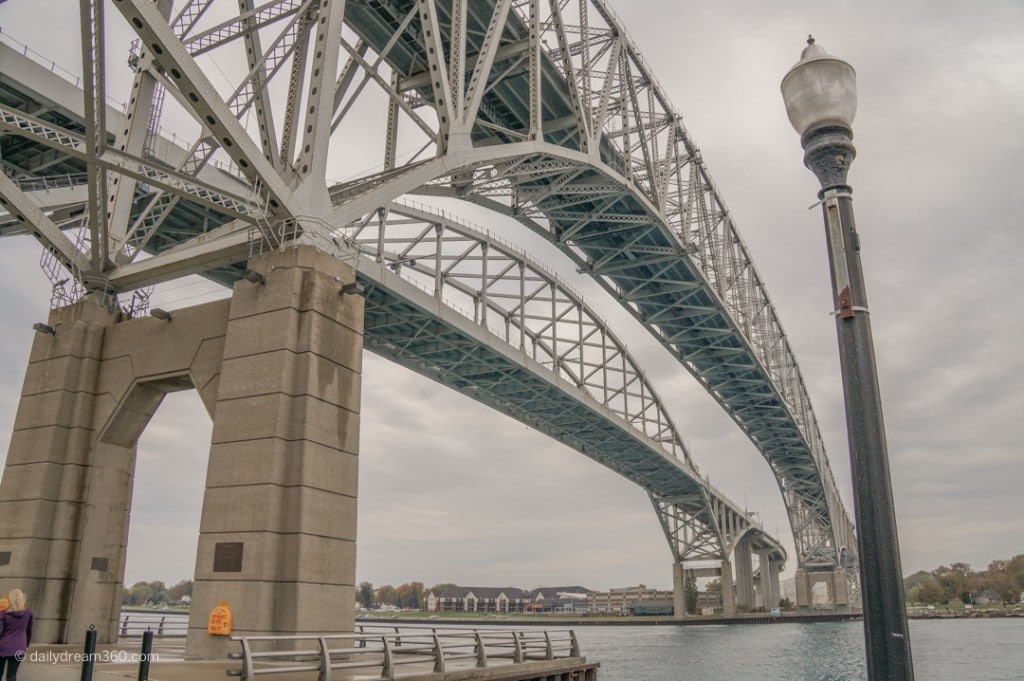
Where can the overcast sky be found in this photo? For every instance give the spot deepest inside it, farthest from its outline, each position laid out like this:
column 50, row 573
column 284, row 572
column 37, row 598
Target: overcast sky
column 452, row 492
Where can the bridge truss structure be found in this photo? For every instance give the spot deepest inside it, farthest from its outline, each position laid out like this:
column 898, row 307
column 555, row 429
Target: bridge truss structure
column 542, row 110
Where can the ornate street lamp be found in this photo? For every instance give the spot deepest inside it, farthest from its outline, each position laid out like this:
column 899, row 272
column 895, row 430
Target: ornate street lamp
column 821, row 100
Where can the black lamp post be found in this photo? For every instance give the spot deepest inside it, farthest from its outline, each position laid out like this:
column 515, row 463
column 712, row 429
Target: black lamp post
column 821, row 100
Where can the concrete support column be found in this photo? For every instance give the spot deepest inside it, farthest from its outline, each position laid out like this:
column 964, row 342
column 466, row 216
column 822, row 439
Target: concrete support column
column 679, row 590
column 744, row 575
column 90, row 390
column 775, row 567
column 770, row 582
column 835, row 581
column 104, row 538
column 804, row 584
column 278, row 530
column 840, row 590
column 46, row 480
column 728, row 599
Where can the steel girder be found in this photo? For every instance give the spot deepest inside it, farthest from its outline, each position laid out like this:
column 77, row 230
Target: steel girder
column 639, row 211
column 509, row 334
column 604, row 168
column 520, row 302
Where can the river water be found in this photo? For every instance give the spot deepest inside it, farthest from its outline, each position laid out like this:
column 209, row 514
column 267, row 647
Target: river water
column 943, row 650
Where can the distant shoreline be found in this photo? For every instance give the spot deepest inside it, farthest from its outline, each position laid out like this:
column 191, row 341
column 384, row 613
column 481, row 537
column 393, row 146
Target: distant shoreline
column 962, row 614
column 544, row 621
column 755, row 618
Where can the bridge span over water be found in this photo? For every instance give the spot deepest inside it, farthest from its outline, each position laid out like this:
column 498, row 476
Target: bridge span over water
column 540, row 110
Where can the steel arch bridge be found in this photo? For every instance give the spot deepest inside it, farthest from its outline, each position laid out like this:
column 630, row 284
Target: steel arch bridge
column 542, row 110
column 512, row 336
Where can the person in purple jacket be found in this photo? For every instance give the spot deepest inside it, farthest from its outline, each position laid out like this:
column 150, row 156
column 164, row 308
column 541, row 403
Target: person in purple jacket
column 15, row 634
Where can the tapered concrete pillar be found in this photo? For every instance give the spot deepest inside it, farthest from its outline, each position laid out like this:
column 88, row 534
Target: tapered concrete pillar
column 728, row 598
column 840, row 590
column 804, row 590
column 45, row 482
column 679, row 590
column 744, row 575
column 770, row 589
column 278, row 529
column 773, row 580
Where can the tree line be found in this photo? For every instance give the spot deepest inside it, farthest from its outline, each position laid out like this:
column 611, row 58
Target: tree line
column 1002, row 580
column 156, row 593
column 411, row 596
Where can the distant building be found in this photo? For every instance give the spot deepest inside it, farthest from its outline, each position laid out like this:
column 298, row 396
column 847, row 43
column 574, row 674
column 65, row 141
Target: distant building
column 477, row 599
column 987, row 597
column 624, row 600
column 709, row 602
column 508, row 599
column 558, row 599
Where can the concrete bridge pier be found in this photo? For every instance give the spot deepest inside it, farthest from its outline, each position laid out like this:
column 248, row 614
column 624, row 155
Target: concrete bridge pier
column 728, row 598
column 836, row 584
column 744, row 575
column 46, row 485
column 679, row 590
column 277, row 538
column 771, row 592
column 840, row 590
column 278, row 368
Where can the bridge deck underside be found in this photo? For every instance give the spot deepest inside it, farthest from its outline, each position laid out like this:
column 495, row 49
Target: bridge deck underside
column 649, row 271
column 423, row 342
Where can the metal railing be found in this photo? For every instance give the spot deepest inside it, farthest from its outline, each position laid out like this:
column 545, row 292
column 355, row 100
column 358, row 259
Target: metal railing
column 134, row 625
column 46, row 182
column 40, row 59
column 424, row 649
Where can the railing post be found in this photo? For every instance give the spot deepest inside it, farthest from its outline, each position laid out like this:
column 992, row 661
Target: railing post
column 160, row 627
column 549, row 653
column 362, row 640
column 325, row 660
column 124, row 626
column 438, row 656
column 387, row 667
column 574, row 649
column 88, row 660
column 247, row 670
column 481, row 652
column 517, row 655
column 147, row 650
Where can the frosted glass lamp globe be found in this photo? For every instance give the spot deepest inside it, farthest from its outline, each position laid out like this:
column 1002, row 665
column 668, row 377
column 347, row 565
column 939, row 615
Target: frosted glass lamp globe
column 819, row 89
